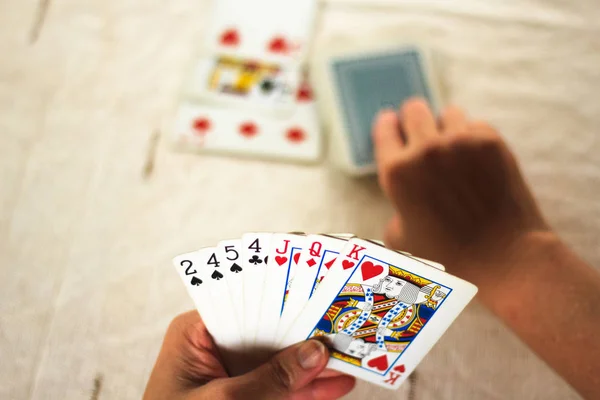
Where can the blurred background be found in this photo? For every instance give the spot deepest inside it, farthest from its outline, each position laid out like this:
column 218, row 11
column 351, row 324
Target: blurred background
column 94, row 203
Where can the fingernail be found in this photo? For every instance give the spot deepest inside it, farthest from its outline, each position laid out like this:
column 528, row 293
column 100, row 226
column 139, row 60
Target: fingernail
column 310, row 353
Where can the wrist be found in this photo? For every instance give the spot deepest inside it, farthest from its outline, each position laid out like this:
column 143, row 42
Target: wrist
column 525, row 261
column 521, row 262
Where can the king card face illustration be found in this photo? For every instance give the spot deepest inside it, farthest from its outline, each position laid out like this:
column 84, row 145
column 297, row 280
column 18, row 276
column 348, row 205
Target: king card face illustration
column 388, row 314
column 383, row 313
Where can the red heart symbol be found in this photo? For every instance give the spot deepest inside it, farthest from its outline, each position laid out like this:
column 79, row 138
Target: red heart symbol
column 347, row 264
column 201, row 125
column 278, row 45
column 380, row 363
column 295, row 135
column 248, row 129
column 230, row 37
column 280, row 260
column 370, row 270
column 399, row 368
column 296, row 257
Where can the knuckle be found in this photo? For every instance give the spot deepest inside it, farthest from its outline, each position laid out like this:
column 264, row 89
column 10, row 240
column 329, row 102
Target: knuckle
column 395, row 172
column 179, row 323
column 485, row 137
column 282, row 375
column 412, row 105
column 484, row 130
column 459, row 139
column 430, row 149
column 184, row 326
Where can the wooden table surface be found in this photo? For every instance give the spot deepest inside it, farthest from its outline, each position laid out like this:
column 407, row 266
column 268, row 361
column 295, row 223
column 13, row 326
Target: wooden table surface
column 94, row 202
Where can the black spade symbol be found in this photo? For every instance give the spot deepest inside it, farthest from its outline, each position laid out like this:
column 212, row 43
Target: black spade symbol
column 196, row 281
column 266, row 259
column 267, row 86
column 235, row 268
column 216, row 275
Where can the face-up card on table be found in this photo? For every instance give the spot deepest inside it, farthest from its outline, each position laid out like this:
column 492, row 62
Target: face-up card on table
column 240, row 131
column 255, row 252
column 277, row 28
column 280, row 275
column 248, row 94
column 356, row 81
column 380, row 312
column 316, row 259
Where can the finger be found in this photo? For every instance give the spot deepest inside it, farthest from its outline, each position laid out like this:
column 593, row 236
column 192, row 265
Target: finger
column 452, row 120
column 388, row 142
column 394, row 235
column 188, row 356
column 482, row 129
column 329, row 373
column 287, row 372
column 417, row 121
column 326, row 389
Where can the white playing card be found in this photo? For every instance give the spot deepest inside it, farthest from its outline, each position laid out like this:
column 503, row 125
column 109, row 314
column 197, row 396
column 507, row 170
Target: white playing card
column 208, row 128
column 262, row 27
column 255, row 253
column 200, row 272
column 315, row 260
column 283, row 260
column 380, row 312
column 229, row 253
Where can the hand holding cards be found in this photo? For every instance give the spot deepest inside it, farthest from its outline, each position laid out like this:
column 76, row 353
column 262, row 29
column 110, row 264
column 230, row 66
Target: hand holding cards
column 379, row 311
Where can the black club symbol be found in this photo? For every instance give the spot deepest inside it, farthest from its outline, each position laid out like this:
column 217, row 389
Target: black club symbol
column 255, row 260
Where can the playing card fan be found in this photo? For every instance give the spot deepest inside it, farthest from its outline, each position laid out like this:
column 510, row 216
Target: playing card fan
column 379, row 311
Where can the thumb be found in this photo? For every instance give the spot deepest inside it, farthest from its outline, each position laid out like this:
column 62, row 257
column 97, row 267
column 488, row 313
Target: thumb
column 287, row 372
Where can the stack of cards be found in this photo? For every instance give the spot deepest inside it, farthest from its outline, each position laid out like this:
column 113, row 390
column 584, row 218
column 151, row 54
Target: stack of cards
column 379, row 311
column 354, row 81
column 248, row 93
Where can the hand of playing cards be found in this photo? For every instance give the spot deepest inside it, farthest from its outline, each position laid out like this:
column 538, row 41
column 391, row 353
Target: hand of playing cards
column 378, row 310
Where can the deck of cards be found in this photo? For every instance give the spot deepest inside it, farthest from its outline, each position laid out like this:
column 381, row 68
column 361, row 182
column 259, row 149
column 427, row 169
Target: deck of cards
column 247, row 92
column 354, row 81
column 379, row 311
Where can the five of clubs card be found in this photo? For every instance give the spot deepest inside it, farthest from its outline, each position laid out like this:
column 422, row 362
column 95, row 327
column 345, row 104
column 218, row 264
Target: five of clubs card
column 379, row 311
column 248, row 93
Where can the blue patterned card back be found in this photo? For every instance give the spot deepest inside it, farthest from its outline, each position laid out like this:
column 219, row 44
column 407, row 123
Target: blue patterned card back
column 370, row 83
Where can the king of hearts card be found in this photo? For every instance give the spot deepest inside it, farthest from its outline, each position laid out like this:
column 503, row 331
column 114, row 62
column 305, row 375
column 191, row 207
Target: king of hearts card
column 366, row 320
